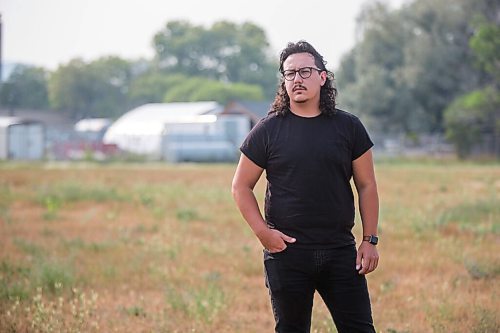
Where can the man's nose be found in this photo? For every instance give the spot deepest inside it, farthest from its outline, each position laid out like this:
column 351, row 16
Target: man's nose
column 297, row 77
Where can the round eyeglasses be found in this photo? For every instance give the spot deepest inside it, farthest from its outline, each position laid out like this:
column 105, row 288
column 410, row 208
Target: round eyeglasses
column 304, row 72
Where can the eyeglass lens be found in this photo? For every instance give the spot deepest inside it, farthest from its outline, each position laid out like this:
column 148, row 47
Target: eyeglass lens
column 303, row 72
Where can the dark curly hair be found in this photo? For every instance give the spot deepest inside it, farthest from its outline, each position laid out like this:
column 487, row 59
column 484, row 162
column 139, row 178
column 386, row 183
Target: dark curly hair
column 328, row 93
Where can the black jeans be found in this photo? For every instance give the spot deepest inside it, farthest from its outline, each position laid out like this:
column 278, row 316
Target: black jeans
column 293, row 276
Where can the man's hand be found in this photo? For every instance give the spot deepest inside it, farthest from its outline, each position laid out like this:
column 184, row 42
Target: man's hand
column 274, row 240
column 367, row 258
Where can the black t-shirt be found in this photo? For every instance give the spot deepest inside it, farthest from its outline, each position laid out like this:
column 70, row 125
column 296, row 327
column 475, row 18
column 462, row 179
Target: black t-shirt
column 308, row 163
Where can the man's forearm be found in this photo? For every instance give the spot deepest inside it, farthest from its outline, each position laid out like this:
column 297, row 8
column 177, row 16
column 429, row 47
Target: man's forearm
column 249, row 208
column 369, row 208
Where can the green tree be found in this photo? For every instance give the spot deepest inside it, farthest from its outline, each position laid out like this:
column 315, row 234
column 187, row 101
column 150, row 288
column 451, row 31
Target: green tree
column 225, row 51
column 486, row 46
column 472, row 117
column 369, row 78
column 225, row 92
column 411, row 63
column 26, row 87
column 183, row 91
column 438, row 63
column 202, row 89
column 152, row 87
column 475, row 116
column 95, row 89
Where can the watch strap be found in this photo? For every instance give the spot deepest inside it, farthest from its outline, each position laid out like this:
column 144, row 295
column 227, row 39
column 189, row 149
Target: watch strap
column 372, row 239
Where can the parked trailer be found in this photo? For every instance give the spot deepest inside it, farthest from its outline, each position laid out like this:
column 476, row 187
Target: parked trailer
column 205, row 138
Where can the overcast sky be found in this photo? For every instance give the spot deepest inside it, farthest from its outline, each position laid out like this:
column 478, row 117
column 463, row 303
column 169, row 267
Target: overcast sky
column 51, row 32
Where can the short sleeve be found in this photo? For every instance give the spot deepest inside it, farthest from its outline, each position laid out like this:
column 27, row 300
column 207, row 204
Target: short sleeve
column 255, row 145
column 361, row 141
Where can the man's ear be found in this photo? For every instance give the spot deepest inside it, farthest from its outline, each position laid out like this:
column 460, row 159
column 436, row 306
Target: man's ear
column 323, row 78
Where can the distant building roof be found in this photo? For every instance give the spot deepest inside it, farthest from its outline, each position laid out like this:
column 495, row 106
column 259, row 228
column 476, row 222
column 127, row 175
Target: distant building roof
column 8, row 121
column 151, row 118
column 92, row 124
column 256, row 110
column 49, row 118
column 140, row 129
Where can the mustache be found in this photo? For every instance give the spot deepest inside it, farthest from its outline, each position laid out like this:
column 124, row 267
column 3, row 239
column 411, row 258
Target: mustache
column 299, row 87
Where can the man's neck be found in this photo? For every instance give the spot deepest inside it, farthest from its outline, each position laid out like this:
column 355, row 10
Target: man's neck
column 307, row 110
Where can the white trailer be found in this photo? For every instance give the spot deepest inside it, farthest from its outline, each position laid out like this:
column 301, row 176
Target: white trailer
column 204, row 138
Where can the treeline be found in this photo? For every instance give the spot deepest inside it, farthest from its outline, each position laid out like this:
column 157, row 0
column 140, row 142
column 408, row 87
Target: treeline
column 431, row 66
column 191, row 63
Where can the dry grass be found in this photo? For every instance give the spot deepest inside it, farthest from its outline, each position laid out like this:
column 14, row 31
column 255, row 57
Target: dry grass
column 163, row 249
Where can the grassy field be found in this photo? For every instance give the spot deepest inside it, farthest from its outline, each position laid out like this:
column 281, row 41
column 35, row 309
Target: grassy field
column 162, row 248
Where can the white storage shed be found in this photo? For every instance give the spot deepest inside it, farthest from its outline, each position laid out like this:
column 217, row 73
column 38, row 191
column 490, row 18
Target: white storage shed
column 21, row 139
column 140, row 130
column 175, row 132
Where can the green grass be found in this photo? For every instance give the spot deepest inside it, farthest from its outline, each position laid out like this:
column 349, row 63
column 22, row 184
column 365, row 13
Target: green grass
column 167, row 250
column 43, row 271
column 187, row 214
column 6, row 199
column 481, row 217
column 12, row 279
column 201, row 303
column 482, row 270
column 486, row 321
column 49, row 275
column 70, row 192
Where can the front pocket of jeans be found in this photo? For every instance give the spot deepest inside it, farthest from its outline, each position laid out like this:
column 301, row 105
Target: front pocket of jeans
column 271, row 271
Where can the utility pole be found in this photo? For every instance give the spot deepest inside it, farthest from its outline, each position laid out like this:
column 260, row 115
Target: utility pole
column 1, row 62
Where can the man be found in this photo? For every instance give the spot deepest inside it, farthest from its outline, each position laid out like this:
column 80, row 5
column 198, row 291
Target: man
column 310, row 150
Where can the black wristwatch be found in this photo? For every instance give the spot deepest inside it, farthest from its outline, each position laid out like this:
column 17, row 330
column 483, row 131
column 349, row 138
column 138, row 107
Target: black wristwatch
column 372, row 239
